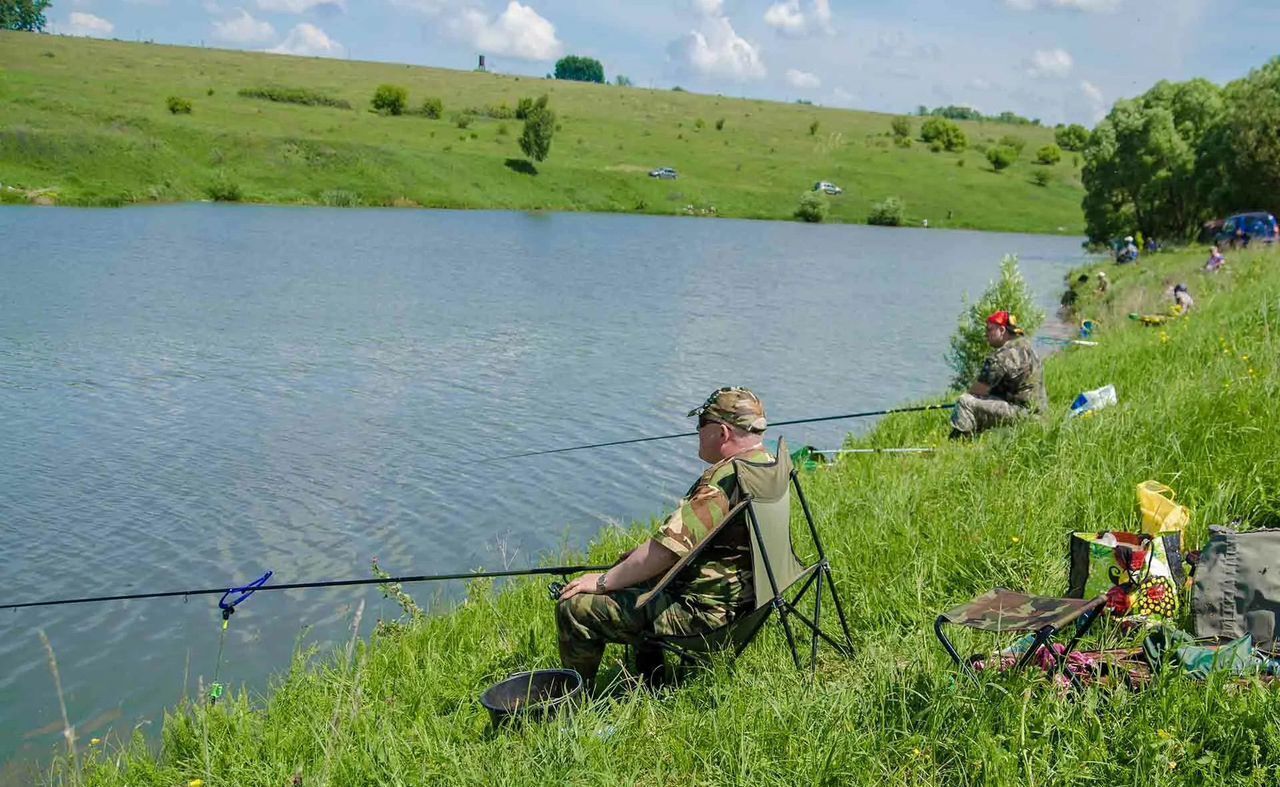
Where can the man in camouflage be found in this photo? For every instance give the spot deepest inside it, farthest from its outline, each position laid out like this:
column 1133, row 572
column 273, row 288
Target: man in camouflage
column 1010, row 385
column 595, row 609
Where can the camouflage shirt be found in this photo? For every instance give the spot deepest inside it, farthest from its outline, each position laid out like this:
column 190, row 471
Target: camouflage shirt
column 1015, row 374
column 720, row 577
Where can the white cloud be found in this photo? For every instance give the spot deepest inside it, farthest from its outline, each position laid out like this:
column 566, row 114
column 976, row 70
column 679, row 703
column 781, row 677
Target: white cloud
column 518, row 32
column 803, row 79
column 1097, row 104
column 900, row 45
column 243, row 29
column 82, row 24
column 1087, row 6
column 1050, row 64
column 309, row 40
column 788, row 18
column 300, row 6
column 428, row 7
column 716, row 50
column 978, row 83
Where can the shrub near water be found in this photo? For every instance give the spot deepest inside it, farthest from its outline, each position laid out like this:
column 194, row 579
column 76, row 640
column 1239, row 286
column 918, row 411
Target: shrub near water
column 888, row 213
column 969, row 343
column 812, row 208
column 178, row 106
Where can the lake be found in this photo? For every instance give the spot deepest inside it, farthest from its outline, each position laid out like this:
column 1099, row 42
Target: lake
column 193, row 395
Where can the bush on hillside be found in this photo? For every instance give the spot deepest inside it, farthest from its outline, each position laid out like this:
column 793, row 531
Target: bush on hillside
column 941, row 134
column 1041, row 177
column 433, row 107
column 720, row 124
column 340, row 198
column 699, row 124
column 1001, row 157
column 390, row 99
column 812, row 208
column 901, row 127
column 462, row 120
column 293, row 95
column 1072, row 137
column 178, row 106
column 1049, row 155
column 1013, row 141
column 523, row 107
column 903, row 142
column 889, row 213
column 813, row 128
column 969, row 346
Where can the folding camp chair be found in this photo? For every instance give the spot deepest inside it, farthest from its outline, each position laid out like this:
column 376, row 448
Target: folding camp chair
column 1004, row 611
column 765, row 510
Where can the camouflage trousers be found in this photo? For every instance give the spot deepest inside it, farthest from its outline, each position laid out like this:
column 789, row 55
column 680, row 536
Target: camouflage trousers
column 587, row 622
column 975, row 414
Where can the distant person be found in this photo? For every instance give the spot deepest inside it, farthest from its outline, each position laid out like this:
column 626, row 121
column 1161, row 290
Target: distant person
column 1151, row 246
column 1128, row 252
column 1010, row 384
column 1103, row 282
column 1240, row 240
column 1215, row 261
column 924, row 223
column 1182, row 300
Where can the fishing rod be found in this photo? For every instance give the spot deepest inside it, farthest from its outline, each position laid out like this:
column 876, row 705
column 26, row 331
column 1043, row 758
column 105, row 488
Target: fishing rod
column 241, row 593
column 634, row 440
column 874, row 451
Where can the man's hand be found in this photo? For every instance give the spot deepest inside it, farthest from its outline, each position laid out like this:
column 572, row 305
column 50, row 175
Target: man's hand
column 587, row 583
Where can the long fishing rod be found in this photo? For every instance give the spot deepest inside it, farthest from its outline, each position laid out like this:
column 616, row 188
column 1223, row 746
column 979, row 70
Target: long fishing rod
column 867, row 414
column 260, row 585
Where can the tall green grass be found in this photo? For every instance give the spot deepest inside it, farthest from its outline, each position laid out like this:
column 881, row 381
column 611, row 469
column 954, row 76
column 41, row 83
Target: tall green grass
column 85, row 120
column 908, row 536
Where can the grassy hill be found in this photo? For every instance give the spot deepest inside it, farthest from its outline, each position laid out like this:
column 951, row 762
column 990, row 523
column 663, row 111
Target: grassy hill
column 85, row 122
column 909, row 537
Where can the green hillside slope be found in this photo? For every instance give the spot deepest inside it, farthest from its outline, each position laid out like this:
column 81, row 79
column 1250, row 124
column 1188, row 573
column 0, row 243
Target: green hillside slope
column 85, row 122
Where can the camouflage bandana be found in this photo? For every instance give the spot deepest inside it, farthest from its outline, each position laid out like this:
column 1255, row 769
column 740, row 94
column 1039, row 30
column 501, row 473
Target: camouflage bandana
column 735, row 406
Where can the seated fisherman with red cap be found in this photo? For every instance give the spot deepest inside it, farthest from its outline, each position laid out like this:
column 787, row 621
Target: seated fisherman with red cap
column 711, row 591
column 1010, row 385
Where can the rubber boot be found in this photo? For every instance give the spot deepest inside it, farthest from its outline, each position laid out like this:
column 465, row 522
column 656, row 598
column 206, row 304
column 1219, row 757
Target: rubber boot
column 651, row 666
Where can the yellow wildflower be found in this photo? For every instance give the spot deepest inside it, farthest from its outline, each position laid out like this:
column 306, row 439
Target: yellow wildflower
column 1016, row 539
column 196, row 783
column 94, row 741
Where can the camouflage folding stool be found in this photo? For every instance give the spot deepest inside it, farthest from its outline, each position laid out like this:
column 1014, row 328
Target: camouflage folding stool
column 765, row 511
column 1003, row 611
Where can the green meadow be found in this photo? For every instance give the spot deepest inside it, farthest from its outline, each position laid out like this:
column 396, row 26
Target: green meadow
column 909, row 536
column 86, row 122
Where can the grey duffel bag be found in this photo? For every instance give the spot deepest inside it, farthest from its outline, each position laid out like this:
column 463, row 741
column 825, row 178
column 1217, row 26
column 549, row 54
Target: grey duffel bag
column 1237, row 586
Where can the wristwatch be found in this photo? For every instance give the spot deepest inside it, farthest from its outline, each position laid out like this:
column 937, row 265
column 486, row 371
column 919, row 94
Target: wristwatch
column 601, row 587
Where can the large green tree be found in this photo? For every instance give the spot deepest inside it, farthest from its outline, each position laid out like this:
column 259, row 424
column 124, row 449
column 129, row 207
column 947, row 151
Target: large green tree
column 23, row 14
column 1148, row 163
column 1248, row 148
column 579, row 69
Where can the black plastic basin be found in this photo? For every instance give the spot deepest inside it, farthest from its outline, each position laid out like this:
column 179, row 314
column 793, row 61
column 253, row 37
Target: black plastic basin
column 531, row 695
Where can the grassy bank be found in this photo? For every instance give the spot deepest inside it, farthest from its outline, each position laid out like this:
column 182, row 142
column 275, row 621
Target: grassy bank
column 909, row 536
column 85, row 122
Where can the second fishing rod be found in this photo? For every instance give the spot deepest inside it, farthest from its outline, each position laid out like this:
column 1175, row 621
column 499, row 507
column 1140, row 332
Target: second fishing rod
column 634, row 440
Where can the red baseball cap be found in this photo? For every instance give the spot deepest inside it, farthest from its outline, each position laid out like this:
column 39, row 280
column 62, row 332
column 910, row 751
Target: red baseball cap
column 1006, row 320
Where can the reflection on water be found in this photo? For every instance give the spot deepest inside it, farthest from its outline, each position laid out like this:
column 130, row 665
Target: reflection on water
column 193, row 395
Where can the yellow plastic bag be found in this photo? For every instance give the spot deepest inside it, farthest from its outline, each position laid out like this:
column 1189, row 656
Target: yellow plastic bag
column 1159, row 512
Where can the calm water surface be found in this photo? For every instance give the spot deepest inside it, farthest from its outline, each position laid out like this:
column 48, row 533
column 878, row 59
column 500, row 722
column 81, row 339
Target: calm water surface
column 193, row 395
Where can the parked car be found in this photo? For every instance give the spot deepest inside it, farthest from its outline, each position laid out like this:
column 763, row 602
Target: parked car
column 827, row 188
column 664, row 173
column 1245, row 228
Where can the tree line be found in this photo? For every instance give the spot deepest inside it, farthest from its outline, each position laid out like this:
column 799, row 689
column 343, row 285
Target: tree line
column 1183, row 153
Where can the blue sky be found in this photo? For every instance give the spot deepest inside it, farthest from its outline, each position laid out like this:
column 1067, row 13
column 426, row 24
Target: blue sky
column 1059, row 60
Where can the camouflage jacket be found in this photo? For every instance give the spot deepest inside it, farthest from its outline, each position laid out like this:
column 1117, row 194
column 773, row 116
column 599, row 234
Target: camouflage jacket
column 1015, row 374
column 720, row 577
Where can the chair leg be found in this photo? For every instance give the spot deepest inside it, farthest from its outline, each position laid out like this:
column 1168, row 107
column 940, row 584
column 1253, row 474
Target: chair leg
column 835, row 599
column 1042, row 636
column 817, row 624
column 946, row 643
column 786, row 626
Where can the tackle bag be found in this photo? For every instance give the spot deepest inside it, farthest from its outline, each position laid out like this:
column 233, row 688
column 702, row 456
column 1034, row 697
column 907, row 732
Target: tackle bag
column 1237, row 586
column 1146, row 569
